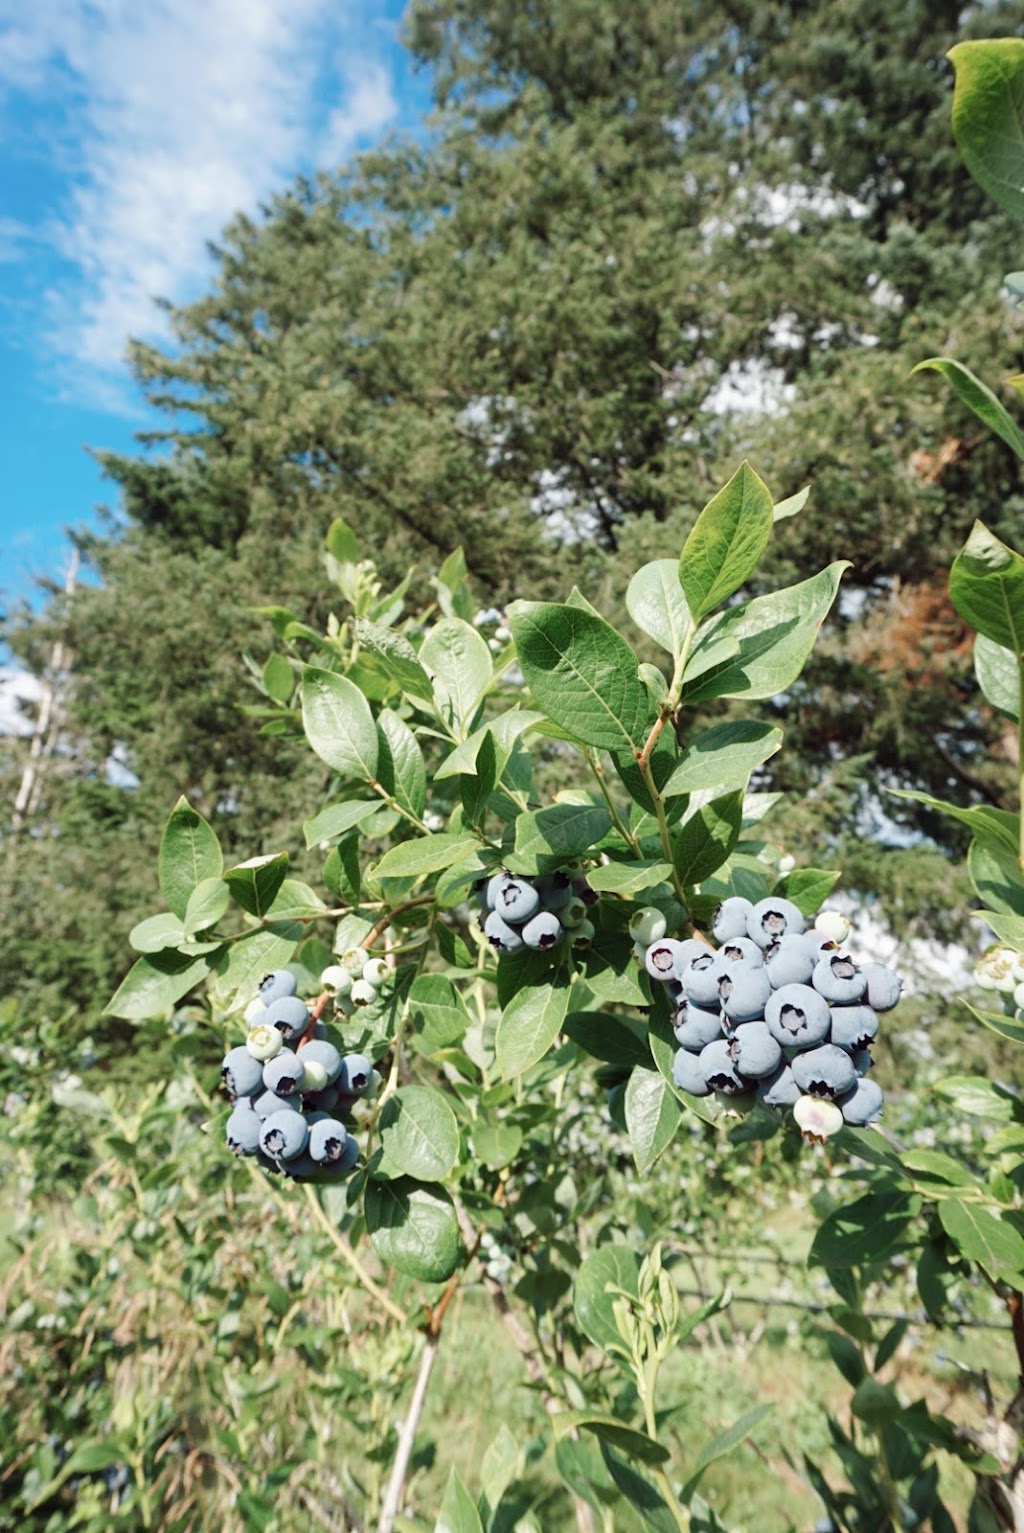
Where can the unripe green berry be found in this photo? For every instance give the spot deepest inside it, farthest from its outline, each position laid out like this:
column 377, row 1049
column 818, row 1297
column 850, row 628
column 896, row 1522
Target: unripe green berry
column 582, row 935
column 647, row 925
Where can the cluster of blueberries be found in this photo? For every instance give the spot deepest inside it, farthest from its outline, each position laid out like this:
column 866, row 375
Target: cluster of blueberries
column 518, row 912
column 777, row 1009
column 287, row 1081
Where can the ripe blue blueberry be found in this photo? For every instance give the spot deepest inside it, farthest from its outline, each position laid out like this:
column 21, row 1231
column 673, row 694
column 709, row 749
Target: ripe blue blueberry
column 242, row 1130
column 502, row 937
column 754, row 1051
column 241, row 1074
column 321, row 1101
column 555, row 890
column 328, row 1140
column 720, row 1070
column 688, row 1074
column 543, row 930
column 516, row 900
column 853, row 1027
column 667, row 958
column 773, row 918
column 838, row 979
column 862, row 1104
column 730, row 919
column 797, row 1016
column 273, row 986
column 289, row 1015
column 284, row 1074
column 744, row 993
column 695, row 1027
column 700, row 979
column 779, row 1089
column 826, row 1071
column 740, row 952
column 284, row 1134
column 356, row 1071
column 884, row 986
column 268, row 1103
column 790, row 961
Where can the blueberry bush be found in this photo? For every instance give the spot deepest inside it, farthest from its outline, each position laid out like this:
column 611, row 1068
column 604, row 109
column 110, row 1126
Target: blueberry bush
column 557, row 993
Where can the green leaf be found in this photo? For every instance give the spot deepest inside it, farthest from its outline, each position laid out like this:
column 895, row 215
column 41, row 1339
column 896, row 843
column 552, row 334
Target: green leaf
column 979, row 398
column 458, row 660
column 505, row 729
column 156, row 983
column 1008, row 928
column 986, row 586
column 254, row 884
column 341, row 542
column 611, row 1430
column 724, row 1443
column 988, row 116
column 243, row 963
column 809, row 888
column 652, row 1116
column 496, row 1144
column 419, row 1133
column 296, row 901
column 980, row 1235
column 549, row 837
column 994, row 828
column 398, row 658
column 582, row 674
column 705, row 840
column 608, row 1267
column 476, row 787
column 977, row 1096
column 500, row 1466
column 615, row 1040
column 724, row 753
column 996, row 875
column 651, row 1506
column 189, row 853
column 629, row 878
column 206, row 904
column 425, row 854
column 863, row 1231
column 413, row 1226
column 400, row 766
column 338, row 724
column 791, row 505
column 279, row 679
column 437, row 1012
column 156, row 933
column 726, row 543
column 655, row 602
column 458, row 1512
column 934, row 1165
column 1000, row 1023
column 998, row 676
column 529, row 1026
column 336, row 820
column 759, row 649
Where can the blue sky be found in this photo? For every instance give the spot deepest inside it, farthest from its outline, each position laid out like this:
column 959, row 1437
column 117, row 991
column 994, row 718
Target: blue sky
column 131, row 131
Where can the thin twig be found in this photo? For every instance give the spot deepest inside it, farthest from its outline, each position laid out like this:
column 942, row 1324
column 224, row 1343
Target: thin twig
column 406, row 1437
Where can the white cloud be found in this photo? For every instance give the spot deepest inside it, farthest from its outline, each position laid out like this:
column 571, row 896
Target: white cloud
column 17, row 688
column 167, row 118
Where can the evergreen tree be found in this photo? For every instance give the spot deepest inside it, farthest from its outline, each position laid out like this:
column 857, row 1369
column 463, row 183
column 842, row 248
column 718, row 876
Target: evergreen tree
column 523, row 335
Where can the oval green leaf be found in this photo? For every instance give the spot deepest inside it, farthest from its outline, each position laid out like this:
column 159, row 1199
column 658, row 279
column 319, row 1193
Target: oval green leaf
column 413, row 1227
column 338, row 724
column 419, row 1133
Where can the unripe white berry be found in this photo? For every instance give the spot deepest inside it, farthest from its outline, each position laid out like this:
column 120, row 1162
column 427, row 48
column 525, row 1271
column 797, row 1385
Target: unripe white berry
column 375, row 972
column 353, row 959
column 264, row 1042
column 314, row 1076
column 337, row 979
column 816, row 1118
column 833, row 925
column 362, row 992
column 254, row 1012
